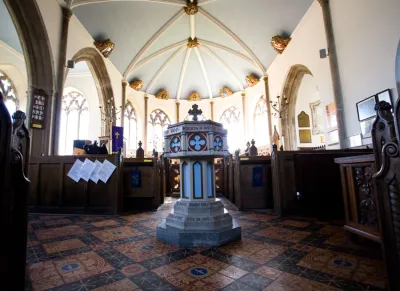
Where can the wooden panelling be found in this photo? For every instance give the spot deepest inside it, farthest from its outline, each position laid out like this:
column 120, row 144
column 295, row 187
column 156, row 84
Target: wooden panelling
column 53, row 191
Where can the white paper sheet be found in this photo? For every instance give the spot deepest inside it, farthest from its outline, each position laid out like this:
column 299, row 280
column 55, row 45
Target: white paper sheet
column 95, row 175
column 106, row 171
column 75, row 172
column 87, row 169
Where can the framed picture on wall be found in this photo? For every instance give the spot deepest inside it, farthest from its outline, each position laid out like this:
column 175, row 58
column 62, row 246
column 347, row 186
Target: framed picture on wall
column 366, row 108
column 366, row 127
column 384, row 96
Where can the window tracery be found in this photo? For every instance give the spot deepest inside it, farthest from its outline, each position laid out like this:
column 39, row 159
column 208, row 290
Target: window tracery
column 230, row 118
column 200, row 117
column 130, row 126
column 261, row 122
column 158, row 122
column 74, row 120
column 9, row 92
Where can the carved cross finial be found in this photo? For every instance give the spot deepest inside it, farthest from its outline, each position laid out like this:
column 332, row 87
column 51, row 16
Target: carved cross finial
column 140, row 144
column 253, row 142
column 195, row 111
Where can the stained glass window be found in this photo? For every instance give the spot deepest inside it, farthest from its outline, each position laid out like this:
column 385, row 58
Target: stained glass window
column 261, row 122
column 9, row 92
column 74, row 120
column 130, row 126
column 230, row 118
column 158, row 122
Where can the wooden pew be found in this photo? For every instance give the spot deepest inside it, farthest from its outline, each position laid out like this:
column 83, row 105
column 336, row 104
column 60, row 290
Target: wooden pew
column 308, row 183
column 14, row 188
column 52, row 191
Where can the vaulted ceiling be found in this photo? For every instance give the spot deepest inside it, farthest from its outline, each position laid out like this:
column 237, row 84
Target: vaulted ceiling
column 151, row 40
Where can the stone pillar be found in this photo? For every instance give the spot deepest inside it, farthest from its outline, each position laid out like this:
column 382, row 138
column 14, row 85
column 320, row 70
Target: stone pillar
column 146, row 120
column 268, row 101
column 177, row 111
column 212, row 110
column 57, row 107
column 244, row 113
column 124, row 84
column 333, row 62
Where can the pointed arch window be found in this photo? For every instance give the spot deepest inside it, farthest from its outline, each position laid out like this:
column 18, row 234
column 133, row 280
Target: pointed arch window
column 158, row 122
column 9, row 92
column 230, row 118
column 74, row 120
column 261, row 122
column 130, row 126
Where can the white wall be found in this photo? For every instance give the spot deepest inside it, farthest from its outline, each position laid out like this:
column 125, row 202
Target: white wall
column 84, row 82
column 307, row 94
column 13, row 64
column 367, row 34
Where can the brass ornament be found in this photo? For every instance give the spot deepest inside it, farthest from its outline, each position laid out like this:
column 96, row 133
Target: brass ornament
column 163, row 94
column 105, row 47
column 279, row 43
column 191, row 7
column 194, row 97
column 252, row 81
column 225, row 92
column 192, row 43
column 136, row 85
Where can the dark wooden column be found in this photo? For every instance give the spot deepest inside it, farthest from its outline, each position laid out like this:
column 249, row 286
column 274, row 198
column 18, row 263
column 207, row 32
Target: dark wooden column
column 124, row 84
column 334, row 65
column 244, row 111
column 67, row 13
column 146, row 120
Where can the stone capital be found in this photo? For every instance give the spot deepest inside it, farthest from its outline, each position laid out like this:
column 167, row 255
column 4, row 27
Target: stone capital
column 67, row 13
column 146, row 97
column 243, row 94
column 265, row 79
column 125, row 83
column 321, row 2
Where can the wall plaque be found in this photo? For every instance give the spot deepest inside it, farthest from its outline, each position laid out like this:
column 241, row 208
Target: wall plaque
column 38, row 109
column 305, row 136
column 303, row 119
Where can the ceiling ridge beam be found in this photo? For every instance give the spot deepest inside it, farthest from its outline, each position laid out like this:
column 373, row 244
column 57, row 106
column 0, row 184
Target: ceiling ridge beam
column 158, row 53
column 163, row 67
column 234, row 37
column 183, row 71
column 227, row 49
column 153, row 39
column 77, row 3
column 225, row 66
column 203, row 68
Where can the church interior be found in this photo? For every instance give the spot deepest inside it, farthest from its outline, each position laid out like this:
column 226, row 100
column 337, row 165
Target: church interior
column 199, row 145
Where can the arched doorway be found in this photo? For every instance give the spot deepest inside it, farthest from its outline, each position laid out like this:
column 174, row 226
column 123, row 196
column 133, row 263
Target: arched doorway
column 290, row 92
column 36, row 49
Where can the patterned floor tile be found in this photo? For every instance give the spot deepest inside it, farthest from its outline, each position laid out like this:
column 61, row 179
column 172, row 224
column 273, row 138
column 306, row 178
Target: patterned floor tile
column 283, row 234
column 57, row 222
column 105, row 223
column 295, row 223
column 64, row 245
column 288, row 282
column 269, row 273
column 233, row 272
column 44, row 234
column 116, row 233
column 123, row 285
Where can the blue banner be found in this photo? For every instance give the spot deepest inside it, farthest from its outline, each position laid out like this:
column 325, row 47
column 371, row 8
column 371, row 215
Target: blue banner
column 257, row 176
column 117, row 138
column 136, row 179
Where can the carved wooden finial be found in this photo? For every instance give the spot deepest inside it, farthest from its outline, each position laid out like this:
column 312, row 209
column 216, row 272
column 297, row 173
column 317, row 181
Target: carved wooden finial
column 140, row 151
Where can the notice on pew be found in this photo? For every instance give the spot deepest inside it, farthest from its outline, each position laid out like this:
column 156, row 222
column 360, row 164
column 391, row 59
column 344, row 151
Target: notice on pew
column 75, row 172
column 106, row 171
column 87, row 169
column 95, row 175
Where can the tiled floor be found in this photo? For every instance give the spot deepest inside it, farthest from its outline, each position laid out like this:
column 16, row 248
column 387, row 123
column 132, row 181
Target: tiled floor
column 121, row 253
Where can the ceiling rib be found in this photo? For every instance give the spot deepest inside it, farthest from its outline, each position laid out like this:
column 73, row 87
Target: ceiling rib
column 157, row 54
column 227, row 49
column 203, row 68
column 192, row 26
column 203, row 2
column 183, row 71
column 235, row 37
column 163, row 67
column 77, row 3
column 225, row 66
column 154, row 38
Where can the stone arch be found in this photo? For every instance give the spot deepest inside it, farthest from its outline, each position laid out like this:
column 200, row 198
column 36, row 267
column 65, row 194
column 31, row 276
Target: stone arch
column 290, row 90
column 35, row 44
column 101, row 77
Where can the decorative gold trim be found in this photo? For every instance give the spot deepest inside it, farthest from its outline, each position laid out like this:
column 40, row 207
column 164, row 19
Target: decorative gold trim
column 279, row 43
column 194, row 97
column 225, row 92
column 191, row 7
column 136, row 85
column 163, row 94
column 192, row 43
column 252, row 80
column 105, row 47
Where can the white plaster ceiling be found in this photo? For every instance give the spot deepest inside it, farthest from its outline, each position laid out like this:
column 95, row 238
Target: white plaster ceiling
column 244, row 27
column 8, row 33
